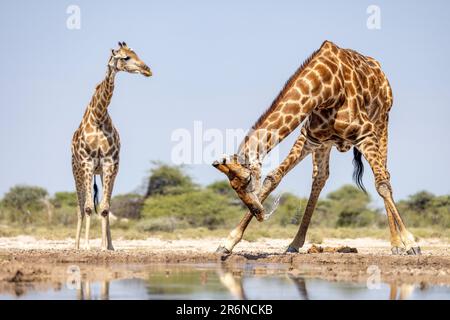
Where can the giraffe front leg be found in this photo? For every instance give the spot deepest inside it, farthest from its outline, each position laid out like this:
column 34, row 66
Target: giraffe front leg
column 321, row 160
column 299, row 151
column 109, row 169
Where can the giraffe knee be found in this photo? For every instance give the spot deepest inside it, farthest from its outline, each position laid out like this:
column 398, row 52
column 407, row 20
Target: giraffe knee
column 88, row 210
column 271, row 180
column 384, row 189
column 104, row 210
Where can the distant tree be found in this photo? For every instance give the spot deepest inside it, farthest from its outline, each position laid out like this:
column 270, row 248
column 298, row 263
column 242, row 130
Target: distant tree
column 165, row 180
column 423, row 209
column 420, row 200
column 127, row 206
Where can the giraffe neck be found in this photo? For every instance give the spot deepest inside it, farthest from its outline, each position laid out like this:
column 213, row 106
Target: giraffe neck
column 98, row 106
column 287, row 112
column 301, row 94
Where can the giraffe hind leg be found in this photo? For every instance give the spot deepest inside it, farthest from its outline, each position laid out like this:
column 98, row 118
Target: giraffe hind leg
column 369, row 147
column 397, row 246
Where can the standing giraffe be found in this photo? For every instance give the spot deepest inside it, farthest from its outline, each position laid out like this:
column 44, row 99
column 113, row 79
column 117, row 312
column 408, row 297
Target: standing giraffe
column 96, row 145
column 344, row 99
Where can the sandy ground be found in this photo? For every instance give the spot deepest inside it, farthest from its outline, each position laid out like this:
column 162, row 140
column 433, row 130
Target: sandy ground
column 26, row 260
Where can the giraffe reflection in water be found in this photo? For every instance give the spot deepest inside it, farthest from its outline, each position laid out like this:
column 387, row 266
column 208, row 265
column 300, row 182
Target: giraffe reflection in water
column 85, row 292
column 234, row 282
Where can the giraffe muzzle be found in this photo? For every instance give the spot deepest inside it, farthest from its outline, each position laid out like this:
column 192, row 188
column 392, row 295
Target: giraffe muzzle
column 146, row 71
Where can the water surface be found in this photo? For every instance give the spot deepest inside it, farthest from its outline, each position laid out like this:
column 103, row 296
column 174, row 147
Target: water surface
column 210, row 281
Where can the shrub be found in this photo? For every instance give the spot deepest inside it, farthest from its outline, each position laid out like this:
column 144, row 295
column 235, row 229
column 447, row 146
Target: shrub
column 65, row 198
column 127, row 206
column 195, row 208
column 23, row 203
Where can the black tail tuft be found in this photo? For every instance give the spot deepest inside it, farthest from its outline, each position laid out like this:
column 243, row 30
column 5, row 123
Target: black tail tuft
column 359, row 169
column 95, row 195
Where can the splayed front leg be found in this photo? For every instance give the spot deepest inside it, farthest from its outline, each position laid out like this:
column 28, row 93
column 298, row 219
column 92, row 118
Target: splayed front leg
column 299, row 151
column 321, row 160
column 235, row 235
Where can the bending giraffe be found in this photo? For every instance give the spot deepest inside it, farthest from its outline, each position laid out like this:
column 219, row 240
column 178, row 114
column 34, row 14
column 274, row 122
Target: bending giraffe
column 344, row 99
column 96, row 146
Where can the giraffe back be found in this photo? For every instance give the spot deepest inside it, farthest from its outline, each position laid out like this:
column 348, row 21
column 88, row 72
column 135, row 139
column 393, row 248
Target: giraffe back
column 360, row 101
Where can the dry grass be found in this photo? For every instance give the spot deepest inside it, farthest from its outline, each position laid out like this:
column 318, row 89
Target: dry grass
column 255, row 231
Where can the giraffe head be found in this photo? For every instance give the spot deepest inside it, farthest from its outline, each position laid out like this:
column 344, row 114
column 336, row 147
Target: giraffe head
column 125, row 59
column 244, row 179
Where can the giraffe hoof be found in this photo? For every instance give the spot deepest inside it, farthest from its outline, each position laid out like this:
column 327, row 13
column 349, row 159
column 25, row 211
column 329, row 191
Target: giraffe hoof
column 414, row 251
column 291, row 249
column 223, row 250
column 397, row 250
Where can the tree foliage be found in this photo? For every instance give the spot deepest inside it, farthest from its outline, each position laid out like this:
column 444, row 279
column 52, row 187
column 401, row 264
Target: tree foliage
column 168, row 180
column 425, row 209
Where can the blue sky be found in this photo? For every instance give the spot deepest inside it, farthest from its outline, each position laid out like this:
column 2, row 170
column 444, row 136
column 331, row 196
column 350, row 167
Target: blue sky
column 221, row 63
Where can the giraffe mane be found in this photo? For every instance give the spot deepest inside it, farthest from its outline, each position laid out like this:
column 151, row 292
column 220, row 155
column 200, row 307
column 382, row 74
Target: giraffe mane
column 286, row 87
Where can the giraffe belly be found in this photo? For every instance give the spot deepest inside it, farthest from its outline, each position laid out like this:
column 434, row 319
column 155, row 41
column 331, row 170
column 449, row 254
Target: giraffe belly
column 329, row 136
column 342, row 145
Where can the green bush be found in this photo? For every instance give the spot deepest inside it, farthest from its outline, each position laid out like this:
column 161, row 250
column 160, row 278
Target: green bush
column 289, row 211
column 127, row 206
column 65, row 198
column 25, row 203
column 196, row 208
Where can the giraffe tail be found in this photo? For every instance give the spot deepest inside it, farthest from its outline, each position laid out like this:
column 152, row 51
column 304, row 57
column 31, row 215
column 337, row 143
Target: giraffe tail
column 359, row 169
column 95, row 195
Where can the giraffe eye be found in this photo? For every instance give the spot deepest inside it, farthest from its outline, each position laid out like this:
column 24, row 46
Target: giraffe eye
column 126, row 58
